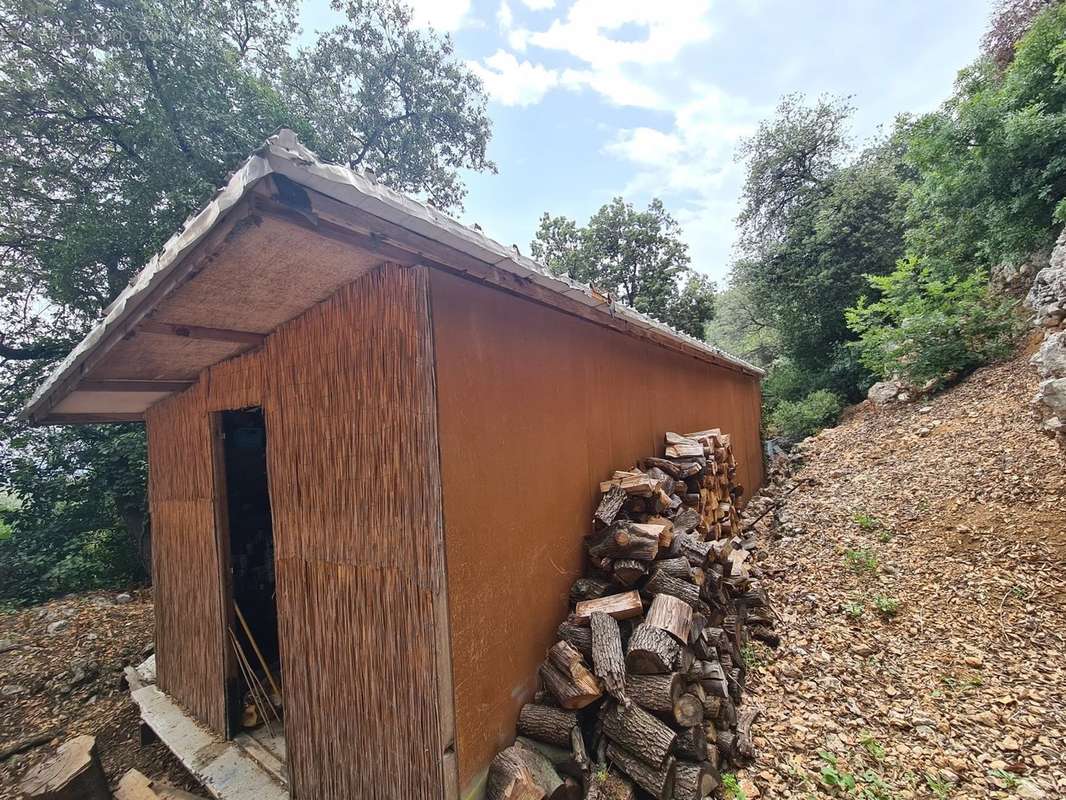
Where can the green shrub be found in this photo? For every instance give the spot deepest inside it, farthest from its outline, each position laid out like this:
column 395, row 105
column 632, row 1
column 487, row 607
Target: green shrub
column 797, row 419
column 929, row 329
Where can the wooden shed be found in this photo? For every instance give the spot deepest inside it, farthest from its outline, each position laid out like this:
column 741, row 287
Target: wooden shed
column 380, row 434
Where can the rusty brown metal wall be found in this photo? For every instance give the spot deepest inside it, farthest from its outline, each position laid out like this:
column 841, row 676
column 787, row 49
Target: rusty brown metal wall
column 535, row 408
column 347, row 389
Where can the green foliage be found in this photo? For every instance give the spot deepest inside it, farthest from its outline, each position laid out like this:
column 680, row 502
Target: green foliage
column 854, row 609
column 797, row 419
column 887, row 606
column 928, row 327
column 738, row 330
column 636, row 256
column 937, row 785
column 731, row 787
column 860, row 561
column 867, row 522
column 873, row 747
column 118, row 120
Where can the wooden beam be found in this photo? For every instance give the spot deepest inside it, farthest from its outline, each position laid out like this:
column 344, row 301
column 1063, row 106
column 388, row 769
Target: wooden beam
column 200, row 332
column 89, row 419
column 133, row 386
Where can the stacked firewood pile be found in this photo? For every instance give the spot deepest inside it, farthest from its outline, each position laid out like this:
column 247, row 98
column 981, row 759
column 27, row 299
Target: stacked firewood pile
column 642, row 694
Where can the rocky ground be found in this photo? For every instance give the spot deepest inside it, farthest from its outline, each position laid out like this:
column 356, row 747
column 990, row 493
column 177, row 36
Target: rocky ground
column 61, row 673
column 916, row 561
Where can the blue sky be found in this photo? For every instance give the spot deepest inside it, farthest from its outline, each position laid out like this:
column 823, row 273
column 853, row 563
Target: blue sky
column 596, row 98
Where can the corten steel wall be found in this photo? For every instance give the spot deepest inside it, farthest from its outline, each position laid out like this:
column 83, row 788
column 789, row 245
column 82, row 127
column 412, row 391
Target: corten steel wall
column 535, row 408
column 347, row 389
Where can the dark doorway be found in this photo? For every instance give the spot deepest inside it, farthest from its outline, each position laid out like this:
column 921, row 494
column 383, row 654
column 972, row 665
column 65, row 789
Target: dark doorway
column 251, row 560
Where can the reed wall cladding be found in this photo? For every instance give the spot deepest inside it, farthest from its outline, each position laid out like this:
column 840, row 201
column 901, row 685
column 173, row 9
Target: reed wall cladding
column 535, row 408
column 348, row 393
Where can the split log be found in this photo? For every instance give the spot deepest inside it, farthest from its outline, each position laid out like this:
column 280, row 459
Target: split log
column 610, row 504
column 725, row 742
column 625, row 540
column 697, row 551
column 661, row 583
column 655, row 692
column 619, row 606
column 578, row 750
column 74, row 773
column 685, row 521
column 638, row 732
column 691, row 781
column 674, row 567
column 136, row 786
column 651, row 651
column 577, row 636
column 670, row 614
column 688, row 710
column 510, row 779
column 546, row 724
column 608, row 662
column 658, row 782
column 567, row 677
column 544, row 774
column 745, row 747
column 628, row 571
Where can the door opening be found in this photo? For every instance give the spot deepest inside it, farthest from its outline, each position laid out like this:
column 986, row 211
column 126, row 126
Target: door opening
column 254, row 682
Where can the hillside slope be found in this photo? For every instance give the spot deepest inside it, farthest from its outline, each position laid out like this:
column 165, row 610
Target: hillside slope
column 956, row 511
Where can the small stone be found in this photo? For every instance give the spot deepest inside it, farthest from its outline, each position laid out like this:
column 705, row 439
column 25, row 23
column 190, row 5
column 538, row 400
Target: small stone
column 1026, row 788
column 974, row 661
column 12, row 689
column 925, row 409
column 58, row 626
column 1040, row 761
column 1010, row 744
column 123, row 598
column 7, row 645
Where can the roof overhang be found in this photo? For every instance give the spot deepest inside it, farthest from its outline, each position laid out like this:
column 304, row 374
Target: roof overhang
column 286, row 219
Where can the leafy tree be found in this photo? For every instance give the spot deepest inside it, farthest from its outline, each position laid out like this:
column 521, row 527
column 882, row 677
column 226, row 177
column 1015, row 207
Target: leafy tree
column 929, row 329
column 738, row 329
column 1009, row 22
column 636, row 256
column 118, row 118
column 814, row 226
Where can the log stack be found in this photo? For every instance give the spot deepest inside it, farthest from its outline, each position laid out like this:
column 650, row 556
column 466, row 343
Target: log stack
column 642, row 694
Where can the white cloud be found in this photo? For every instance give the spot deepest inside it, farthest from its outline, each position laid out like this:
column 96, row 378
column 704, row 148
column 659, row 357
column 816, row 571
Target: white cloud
column 444, row 15
column 665, row 28
column 539, row 5
column 691, row 164
column 504, row 16
column 513, row 82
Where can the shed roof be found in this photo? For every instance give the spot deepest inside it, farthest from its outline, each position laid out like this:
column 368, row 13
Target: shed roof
column 176, row 318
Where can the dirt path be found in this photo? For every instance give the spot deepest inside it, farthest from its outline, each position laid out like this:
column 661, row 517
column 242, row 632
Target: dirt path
column 919, row 574
column 61, row 671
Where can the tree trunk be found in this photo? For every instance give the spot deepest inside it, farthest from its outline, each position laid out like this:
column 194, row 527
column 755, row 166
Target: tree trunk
column 568, row 679
column 655, row 692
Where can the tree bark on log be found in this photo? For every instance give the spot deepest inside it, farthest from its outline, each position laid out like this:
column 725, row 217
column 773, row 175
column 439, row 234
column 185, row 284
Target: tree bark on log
column 638, row 732
column 624, row 540
column 567, row 677
column 691, row 781
column 651, row 651
column 510, row 778
column 612, row 786
column 691, row 743
column 658, row 782
column 674, row 567
column 608, row 662
column 745, row 747
column 546, row 724
column 670, row 614
column 544, row 774
column 655, row 692
column 589, row 589
column 661, row 583
column 610, row 504
column 577, row 636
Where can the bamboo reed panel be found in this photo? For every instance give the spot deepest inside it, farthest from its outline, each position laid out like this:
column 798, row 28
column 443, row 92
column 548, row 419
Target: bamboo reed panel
column 347, row 389
column 535, row 408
